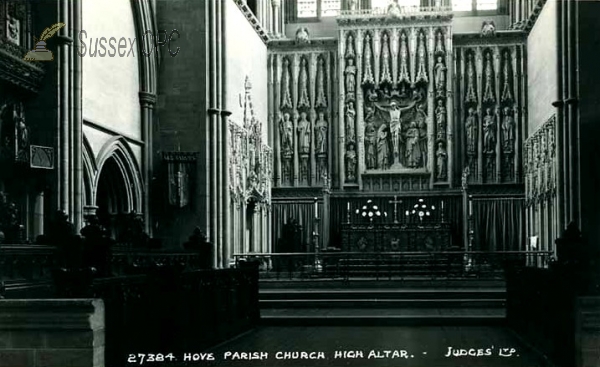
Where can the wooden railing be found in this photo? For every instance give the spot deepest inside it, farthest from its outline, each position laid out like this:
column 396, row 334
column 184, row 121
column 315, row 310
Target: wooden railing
column 393, row 265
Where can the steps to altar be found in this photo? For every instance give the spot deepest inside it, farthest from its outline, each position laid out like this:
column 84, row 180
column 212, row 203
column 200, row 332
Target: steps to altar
column 415, row 302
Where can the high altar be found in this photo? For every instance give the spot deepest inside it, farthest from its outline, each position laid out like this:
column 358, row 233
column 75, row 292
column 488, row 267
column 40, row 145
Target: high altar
column 395, row 104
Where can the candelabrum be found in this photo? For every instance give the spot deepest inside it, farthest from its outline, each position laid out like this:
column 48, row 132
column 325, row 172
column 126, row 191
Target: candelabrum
column 315, row 239
column 471, row 237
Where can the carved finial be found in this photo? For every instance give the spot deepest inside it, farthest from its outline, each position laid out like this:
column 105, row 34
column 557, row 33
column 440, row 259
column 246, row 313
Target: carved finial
column 488, row 28
column 247, row 84
column 465, row 177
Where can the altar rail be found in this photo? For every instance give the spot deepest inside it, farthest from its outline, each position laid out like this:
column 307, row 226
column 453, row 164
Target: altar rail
column 394, row 265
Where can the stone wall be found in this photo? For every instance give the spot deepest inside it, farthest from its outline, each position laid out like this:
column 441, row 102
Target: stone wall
column 51, row 333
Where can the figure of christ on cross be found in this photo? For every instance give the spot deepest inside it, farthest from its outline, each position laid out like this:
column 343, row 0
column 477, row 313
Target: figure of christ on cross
column 395, row 202
column 395, row 127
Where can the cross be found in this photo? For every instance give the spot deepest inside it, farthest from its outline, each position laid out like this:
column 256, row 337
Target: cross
column 395, row 202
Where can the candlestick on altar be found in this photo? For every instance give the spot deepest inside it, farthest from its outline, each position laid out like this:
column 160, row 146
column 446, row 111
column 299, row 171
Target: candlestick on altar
column 470, row 205
column 395, row 202
column 442, row 211
column 316, row 208
column 348, row 213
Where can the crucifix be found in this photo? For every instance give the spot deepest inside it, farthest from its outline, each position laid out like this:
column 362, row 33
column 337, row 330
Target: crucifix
column 395, row 202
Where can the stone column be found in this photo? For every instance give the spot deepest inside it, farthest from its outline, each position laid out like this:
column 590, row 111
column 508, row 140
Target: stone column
column 64, row 123
column 147, row 102
column 497, row 58
column 341, row 172
column 450, row 107
column 479, row 67
column 559, row 125
column 430, row 110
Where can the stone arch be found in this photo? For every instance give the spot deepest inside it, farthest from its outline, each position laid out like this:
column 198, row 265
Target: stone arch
column 118, row 182
column 89, row 173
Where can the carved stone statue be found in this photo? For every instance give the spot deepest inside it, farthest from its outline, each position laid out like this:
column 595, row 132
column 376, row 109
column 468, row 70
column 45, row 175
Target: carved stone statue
column 413, row 150
column 488, row 28
column 386, row 75
column 440, row 77
column 489, row 132
column 304, row 134
column 471, row 130
column 508, row 131
column 382, row 147
column 286, row 94
column 350, row 73
column 303, row 100
column 321, row 134
column 422, row 62
column 368, row 53
column 351, row 163
column 471, row 96
column 321, row 92
column 422, row 126
column 350, row 46
column 506, row 89
column 440, row 118
column 286, row 129
column 441, row 161
column 488, row 94
column 403, row 75
column 350, row 119
column 302, row 35
column 370, row 139
column 439, row 43
column 395, row 125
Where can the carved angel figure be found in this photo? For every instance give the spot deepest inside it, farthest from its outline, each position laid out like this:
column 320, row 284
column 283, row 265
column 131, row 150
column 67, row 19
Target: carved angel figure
column 403, row 75
column 508, row 130
column 303, row 100
column 488, row 94
column 386, row 76
column 368, row 53
column 471, row 130
column 286, row 129
column 441, row 161
column 471, row 96
column 440, row 77
column 489, row 132
column 286, row 96
column 350, row 73
column 422, row 72
column 304, row 134
column 321, row 134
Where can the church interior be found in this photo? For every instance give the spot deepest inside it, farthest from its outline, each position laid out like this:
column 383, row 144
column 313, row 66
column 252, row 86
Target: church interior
column 299, row 182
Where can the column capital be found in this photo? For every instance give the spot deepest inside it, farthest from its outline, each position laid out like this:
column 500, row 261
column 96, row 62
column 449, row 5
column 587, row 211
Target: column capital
column 147, row 98
column 213, row 111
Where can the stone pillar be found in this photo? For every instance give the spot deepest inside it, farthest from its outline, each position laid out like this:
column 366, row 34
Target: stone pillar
column 450, row 107
column 77, row 117
column 38, row 213
column 147, row 102
column 64, row 125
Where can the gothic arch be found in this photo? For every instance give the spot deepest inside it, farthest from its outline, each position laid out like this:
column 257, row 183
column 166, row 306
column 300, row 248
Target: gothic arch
column 117, row 161
column 143, row 15
column 89, row 172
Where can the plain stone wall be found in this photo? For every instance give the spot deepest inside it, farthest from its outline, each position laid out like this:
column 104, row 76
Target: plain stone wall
column 588, row 331
column 52, row 333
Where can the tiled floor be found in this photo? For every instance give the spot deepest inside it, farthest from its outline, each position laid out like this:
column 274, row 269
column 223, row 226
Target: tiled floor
column 417, row 346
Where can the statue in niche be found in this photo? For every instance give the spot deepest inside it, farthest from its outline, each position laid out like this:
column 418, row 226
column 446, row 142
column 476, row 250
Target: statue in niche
column 321, row 134
column 370, row 139
column 489, row 132
column 304, row 134
column 506, row 93
column 368, row 75
column 403, row 76
column 439, row 43
column 321, row 98
column 471, row 129
column 350, row 118
column 322, row 168
column 441, row 161
column 286, row 129
column 440, row 77
column 286, row 96
column 22, row 134
column 440, row 118
column 422, row 126
column 488, row 94
column 508, row 130
column 352, row 4
column 413, row 149
column 395, row 125
column 350, row 73
column 382, row 147
column 303, row 100
column 386, row 76
column 350, row 49
column 471, row 95
column 422, row 70
column 351, row 162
